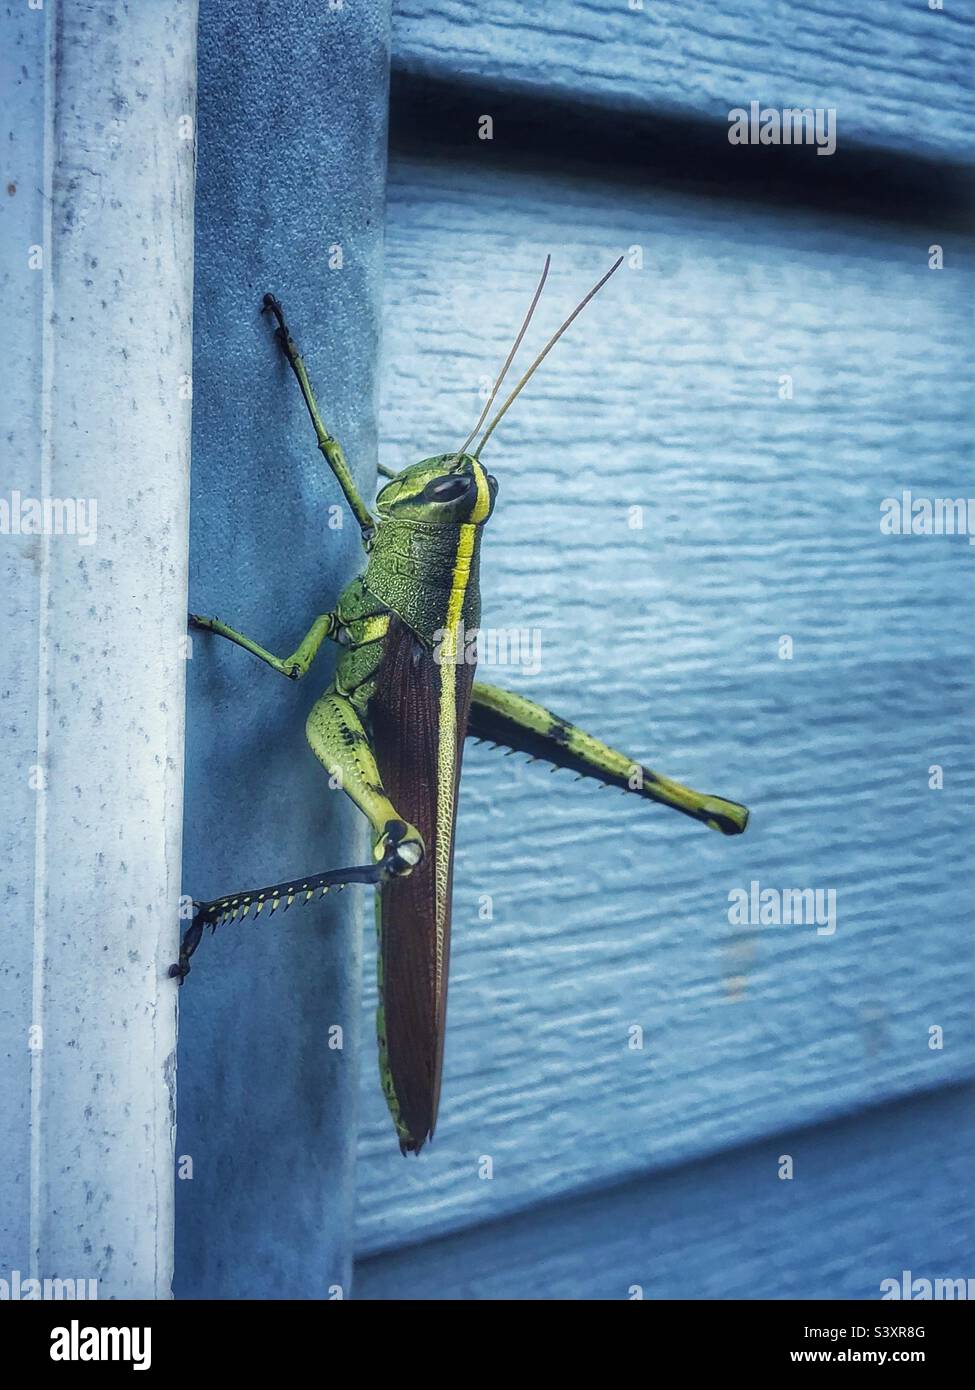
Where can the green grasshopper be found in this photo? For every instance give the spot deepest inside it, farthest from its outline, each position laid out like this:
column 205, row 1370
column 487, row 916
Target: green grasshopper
column 391, row 727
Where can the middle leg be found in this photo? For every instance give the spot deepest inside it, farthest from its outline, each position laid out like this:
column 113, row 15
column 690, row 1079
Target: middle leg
column 293, row 666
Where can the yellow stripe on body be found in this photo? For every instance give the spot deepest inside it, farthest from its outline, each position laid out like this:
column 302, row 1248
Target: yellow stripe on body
column 447, row 721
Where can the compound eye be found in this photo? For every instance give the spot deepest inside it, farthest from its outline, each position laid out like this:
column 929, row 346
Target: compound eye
column 447, row 489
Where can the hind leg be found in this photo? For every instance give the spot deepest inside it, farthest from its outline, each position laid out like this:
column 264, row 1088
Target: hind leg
column 341, row 745
column 505, row 718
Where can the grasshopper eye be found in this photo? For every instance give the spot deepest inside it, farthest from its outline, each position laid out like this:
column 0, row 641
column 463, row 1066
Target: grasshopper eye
column 447, row 489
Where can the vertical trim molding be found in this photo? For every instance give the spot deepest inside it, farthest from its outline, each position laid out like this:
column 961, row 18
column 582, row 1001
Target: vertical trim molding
column 97, row 250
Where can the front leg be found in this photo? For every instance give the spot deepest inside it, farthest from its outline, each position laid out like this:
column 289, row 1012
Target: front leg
column 503, row 717
column 330, row 447
column 293, row 666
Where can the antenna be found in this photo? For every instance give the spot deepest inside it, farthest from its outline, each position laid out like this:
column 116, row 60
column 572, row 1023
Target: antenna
column 542, row 355
column 511, row 356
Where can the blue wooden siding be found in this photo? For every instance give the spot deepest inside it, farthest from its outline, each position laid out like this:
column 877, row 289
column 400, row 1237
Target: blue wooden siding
column 761, row 519
column 862, row 1207
column 896, row 72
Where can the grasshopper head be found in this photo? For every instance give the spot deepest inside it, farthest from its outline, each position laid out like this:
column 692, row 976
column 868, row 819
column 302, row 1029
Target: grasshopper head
column 451, row 488
column 454, row 488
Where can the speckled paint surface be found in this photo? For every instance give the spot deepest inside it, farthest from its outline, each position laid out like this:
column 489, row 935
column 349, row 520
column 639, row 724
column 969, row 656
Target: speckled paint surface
column 291, row 175
column 98, row 181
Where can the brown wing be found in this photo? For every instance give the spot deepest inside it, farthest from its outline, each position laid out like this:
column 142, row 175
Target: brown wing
column 414, row 912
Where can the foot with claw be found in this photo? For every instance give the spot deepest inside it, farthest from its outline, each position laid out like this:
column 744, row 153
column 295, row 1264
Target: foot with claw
column 272, row 306
column 194, row 934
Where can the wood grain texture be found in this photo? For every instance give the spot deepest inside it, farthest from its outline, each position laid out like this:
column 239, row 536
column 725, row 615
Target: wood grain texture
column 761, row 519
column 896, row 73
column 730, row 1227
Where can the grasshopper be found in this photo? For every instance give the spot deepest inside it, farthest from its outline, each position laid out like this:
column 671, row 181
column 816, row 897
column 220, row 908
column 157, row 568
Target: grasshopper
column 391, row 727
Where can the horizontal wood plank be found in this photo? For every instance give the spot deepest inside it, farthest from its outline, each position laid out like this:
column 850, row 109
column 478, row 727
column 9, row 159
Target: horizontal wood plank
column 870, row 1197
column 896, row 72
